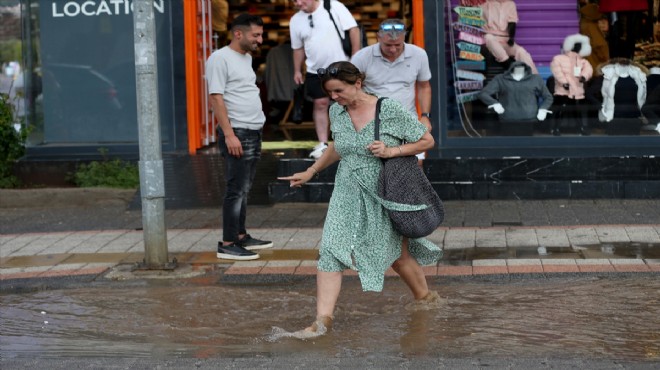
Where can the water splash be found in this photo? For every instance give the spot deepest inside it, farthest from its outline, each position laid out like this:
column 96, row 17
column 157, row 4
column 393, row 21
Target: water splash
column 430, row 302
column 278, row 333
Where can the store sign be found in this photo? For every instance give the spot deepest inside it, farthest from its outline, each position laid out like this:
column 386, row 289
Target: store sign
column 469, row 29
column 469, row 12
column 88, row 70
column 469, row 75
column 471, row 65
column 474, row 39
column 97, row 8
column 470, row 56
column 469, row 85
column 472, row 21
column 469, row 47
column 466, row 97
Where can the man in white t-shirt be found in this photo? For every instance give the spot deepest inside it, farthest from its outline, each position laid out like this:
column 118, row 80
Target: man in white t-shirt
column 315, row 41
column 236, row 103
column 397, row 70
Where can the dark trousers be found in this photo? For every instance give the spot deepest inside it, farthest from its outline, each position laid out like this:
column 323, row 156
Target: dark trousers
column 239, row 175
column 566, row 109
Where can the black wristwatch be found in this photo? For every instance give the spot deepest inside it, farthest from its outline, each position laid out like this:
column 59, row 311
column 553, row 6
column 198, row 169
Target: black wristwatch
column 427, row 115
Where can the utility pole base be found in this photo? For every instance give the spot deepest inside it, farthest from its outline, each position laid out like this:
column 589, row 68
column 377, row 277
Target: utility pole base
column 142, row 266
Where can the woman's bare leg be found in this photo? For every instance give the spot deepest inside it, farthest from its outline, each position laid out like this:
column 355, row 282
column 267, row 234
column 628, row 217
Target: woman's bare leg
column 328, row 286
column 411, row 272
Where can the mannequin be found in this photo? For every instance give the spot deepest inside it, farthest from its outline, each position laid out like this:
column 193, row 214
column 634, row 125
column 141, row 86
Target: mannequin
column 518, row 73
column 571, row 71
column 518, row 91
column 501, row 17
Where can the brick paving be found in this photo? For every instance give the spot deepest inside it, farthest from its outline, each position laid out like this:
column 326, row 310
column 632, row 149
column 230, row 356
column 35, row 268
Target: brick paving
column 56, row 254
column 65, row 233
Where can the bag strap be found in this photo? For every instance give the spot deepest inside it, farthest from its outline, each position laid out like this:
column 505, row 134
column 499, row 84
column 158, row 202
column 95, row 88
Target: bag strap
column 326, row 5
column 377, row 119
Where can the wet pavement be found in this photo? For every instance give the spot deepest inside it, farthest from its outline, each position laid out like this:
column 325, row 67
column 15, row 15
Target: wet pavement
column 530, row 284
column 592, row 318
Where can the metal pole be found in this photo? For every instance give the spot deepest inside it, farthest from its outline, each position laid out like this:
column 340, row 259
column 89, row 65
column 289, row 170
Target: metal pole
column 152, row 186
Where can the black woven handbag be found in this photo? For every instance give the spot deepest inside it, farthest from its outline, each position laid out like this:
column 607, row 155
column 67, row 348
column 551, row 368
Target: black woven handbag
column 402, row 181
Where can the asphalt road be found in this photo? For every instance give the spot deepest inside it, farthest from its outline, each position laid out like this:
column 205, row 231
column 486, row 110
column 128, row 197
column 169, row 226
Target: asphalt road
column 311, row 361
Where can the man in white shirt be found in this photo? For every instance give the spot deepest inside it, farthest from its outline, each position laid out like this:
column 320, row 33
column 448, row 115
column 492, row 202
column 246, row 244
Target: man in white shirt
column 315, row 42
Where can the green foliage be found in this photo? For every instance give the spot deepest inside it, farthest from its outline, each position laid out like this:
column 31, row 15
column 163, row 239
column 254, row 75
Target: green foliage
column 12, row 143
column 107, row 173
column 10, row 50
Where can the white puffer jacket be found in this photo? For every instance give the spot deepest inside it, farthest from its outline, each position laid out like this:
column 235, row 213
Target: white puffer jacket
column 611, row 74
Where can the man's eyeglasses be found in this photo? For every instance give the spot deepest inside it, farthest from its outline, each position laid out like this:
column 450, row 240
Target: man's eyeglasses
column 332, row 72
column 311, row 21
column 392, row 27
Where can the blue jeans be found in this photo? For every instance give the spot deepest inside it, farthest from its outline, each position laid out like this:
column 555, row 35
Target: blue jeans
column 239, row 175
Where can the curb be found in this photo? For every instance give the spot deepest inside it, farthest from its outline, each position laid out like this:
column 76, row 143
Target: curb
column 295, row 270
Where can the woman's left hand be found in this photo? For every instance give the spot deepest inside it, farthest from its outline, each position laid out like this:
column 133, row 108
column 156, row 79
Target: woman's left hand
column 380, row 150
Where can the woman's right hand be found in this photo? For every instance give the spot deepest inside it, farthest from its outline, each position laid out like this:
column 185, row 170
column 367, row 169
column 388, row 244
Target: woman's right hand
column 300, row 178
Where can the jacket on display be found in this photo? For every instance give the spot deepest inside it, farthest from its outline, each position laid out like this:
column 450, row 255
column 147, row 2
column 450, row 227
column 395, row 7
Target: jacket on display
column 624, row 82
column 564, row 66
column 498, row 14
column 520, row 99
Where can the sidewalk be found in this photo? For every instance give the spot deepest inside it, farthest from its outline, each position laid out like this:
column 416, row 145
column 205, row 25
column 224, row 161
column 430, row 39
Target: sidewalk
column 468, row 251
column 479, row 237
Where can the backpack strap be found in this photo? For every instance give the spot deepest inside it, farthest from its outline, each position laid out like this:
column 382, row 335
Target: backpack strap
column 326, row 5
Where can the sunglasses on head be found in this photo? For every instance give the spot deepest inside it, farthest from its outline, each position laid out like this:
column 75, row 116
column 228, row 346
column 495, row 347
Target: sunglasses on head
column 393, row 27
column 332, row 72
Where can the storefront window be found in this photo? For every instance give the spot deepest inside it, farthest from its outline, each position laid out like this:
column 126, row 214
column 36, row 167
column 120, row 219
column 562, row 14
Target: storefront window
column 11, row 68
column 82, row 80
column 551, row 69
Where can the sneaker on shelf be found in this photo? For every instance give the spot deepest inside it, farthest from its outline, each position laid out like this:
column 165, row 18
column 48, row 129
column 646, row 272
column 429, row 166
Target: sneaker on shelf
column 235, row 251
column 251, row 243
column 318, row 150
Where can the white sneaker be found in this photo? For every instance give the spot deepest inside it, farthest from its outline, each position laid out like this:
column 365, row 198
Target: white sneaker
column 318, row 151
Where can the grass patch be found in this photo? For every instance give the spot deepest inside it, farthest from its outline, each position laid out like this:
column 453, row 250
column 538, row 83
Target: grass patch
column 108, row 174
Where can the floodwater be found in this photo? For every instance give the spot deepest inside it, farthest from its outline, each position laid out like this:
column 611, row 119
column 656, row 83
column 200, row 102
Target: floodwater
column 604, row 250
column 611, row 317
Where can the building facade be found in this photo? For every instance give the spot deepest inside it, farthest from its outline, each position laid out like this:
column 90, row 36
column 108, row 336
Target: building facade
column 80, row 78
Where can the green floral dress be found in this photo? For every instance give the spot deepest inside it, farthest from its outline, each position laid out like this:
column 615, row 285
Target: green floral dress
column 358, row 233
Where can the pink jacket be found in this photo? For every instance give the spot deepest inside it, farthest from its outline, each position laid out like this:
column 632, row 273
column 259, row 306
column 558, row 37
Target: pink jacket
column 563, row 68
column 498, row 14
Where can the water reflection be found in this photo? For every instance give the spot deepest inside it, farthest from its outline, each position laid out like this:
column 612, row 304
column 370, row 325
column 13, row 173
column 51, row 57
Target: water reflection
column 605, row 250
column 616, row 317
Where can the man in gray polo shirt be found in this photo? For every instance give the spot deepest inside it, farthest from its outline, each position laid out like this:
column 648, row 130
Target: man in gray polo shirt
column 397, row 70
